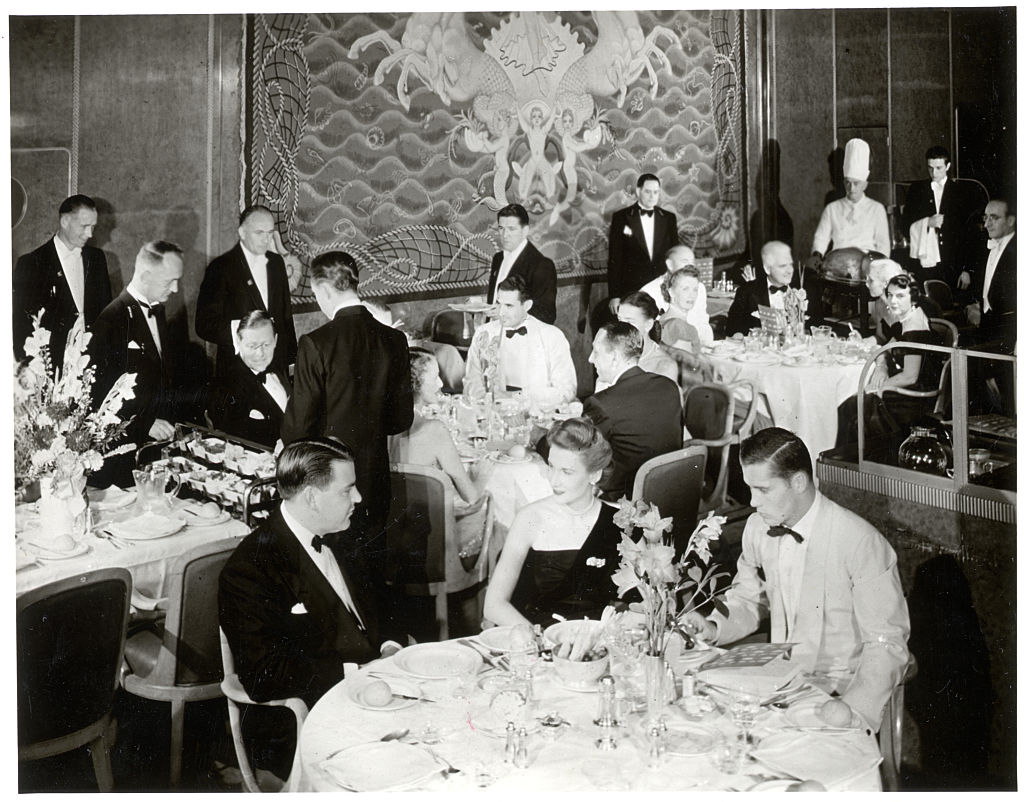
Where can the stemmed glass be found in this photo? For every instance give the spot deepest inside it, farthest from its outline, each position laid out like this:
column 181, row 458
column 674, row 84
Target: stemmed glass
column 743, row 709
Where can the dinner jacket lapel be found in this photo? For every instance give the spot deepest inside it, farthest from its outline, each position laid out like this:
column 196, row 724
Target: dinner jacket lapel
column 317, row 594
column 638, row 231
column 245, row 278
column 810, row 613
column 138, row 329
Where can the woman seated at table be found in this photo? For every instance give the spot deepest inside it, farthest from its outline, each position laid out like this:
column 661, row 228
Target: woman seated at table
column 640, row 310
column 249, row 400
column 428, row 442
column 561, row 551
column 888, row 412
column 680, row 338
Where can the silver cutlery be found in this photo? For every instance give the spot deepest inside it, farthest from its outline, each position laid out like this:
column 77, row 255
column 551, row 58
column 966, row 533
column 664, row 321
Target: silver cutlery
column 394, row 735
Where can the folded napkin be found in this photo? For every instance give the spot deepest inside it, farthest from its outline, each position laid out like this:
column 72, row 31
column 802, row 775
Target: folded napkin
column 757, row 669
column 147, row 525
column 831, row 759
column 111, row 498
column 381, row 766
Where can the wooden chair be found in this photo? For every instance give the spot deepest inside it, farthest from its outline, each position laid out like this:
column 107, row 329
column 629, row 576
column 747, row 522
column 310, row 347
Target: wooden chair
column 70, row 643
column 709, row 413
column 236, row 695
column 179, row 662
column 673, row 482
column 422, row 543
column 948, row 336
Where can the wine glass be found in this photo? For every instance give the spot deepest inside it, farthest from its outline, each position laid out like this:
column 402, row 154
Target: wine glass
column 743, row 709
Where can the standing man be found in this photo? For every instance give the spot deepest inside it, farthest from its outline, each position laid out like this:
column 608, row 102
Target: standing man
column 940, row 205
column 62, row 278
column 638, row 240
column 352, row 382
column 639, row 413
column 249, row 276
column 531, row 355
column 131, row 336
column 825, row 577
column 519, row 257
column 771, row 290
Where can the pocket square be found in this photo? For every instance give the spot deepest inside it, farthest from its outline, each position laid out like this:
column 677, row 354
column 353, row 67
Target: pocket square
column 299, row 609
column 627, row 231
column 596, row 562
column 134, row 346
column 255, row 414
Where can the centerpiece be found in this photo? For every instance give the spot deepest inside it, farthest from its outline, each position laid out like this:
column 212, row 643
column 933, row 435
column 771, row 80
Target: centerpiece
column 795, row 306
column 491, row 378
column 58, row 439
column 668, row 587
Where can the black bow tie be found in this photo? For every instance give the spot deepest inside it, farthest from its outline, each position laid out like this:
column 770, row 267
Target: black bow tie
column 510, row 333
column 261, row 377
column 773, row 289
column 151, row 309
column 780, row 531
column 892, row 332
column 647, row 212
column 331, row 539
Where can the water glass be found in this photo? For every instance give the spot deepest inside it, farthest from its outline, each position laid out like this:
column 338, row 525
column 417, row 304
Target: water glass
column 743, row 709
column 729, row 755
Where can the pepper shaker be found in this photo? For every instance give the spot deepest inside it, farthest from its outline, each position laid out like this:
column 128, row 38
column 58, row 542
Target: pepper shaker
column 606, row 703
column 521, row 754
column 510, row 742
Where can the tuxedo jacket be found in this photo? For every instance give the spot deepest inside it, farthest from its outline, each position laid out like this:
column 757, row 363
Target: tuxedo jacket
column 956, row 208
column 228, row 292
column 630, row 265
column 352, row 382
column 851, row 610
column 641, row 417
column 39, row 283
column 240, row 404
column 539, row 273
column 755, row 293
column 1000, row 322
column 289, row 631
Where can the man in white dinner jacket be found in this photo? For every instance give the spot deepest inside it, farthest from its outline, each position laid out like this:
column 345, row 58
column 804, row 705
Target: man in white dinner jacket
column 532, row 356
column 827, row 578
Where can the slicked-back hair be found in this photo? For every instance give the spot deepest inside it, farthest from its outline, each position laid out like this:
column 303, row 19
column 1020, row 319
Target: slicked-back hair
column 582, row 437
column 780, row 449
column 308, row 463
column 1009, row 203
column 938, row 152
column 517, row 211
column 152, row 254
column 74, row 203
column 643, row 179
column 249, row 211
column 336, row 268
column 647, row 306
column 625, row 338
column 516, row 283
column 257, row 317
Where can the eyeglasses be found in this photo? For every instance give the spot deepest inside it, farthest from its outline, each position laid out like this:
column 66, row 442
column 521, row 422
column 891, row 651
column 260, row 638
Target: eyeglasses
column 258, row 346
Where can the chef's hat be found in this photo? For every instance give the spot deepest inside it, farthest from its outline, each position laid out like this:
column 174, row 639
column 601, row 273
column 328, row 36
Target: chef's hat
column 855, row 160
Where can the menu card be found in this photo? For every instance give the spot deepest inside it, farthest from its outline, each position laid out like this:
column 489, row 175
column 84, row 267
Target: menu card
column 773, row 320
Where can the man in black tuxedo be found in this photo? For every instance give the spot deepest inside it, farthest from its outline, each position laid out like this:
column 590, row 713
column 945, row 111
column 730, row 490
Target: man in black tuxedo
column 519, row 257
column 131, row 336
column 352, row 382
column 62, row 278
column 942, row 205
column 249, row 400
column 639, row 414
column 295, row 600
column 249, row 276
column 778, row 280
column 638, row 239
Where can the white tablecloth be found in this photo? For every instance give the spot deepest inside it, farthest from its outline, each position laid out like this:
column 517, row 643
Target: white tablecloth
column 804, row 400
column 147, row 560
column 512, row 486
column 570, row 763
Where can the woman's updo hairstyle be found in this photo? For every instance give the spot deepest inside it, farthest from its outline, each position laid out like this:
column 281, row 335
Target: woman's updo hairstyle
column 582, row 437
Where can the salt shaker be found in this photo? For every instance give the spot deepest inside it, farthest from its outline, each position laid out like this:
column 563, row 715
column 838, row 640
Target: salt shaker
column 656, row 747
column 606, row 703
column 689, row 684
column 510, row 742
column 521, row 753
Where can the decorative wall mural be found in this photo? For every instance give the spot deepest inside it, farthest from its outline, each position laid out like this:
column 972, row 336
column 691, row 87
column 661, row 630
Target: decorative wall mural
column 397, row 136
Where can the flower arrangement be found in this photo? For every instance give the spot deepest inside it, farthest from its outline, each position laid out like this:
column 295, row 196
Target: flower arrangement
column 795, row 305
column 668, row 588
column 56, row 434
column 490, row 363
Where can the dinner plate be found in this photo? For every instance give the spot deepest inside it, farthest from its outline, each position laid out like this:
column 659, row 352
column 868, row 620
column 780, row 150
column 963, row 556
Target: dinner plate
column 381, row 766
column 472, row 308
column 799, row 362
column 576, row 687
column 775, row 784
column 758, row 359
column 191, row 519
column 355, row 695
column 806, row 714
column 148, row 526
column 437, row 660
column 848, row 359
column 505, row 459
column 726, row 347
column 496, row 638
column 111, row 498
column 687, row 740
column 44, row 554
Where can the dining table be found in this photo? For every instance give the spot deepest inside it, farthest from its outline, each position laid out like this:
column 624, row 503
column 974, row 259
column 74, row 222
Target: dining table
column 121, row 535
column 797, row 391
column 448, row 731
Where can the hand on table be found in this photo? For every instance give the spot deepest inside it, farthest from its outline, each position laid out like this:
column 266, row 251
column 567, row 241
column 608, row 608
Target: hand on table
column 161, row 430
column 699, row 627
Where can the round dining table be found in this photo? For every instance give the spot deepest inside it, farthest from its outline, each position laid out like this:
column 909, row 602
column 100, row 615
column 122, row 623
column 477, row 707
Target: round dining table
column 803, row 398
column 456, row 741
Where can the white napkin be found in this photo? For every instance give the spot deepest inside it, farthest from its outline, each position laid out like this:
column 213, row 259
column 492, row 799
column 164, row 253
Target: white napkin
column 147, row 525
column 830, row 759
column 112, row 498
column 381, row 766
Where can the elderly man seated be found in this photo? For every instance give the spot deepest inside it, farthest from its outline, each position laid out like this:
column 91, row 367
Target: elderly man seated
column 519, row 352
column 825, row 577
column 771, row 289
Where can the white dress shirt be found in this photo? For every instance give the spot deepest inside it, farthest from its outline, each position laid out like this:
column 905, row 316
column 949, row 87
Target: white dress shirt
column 792, row 559
column 937, row 187
column 863, row 225
column 777, row 300
column 150, row 319
column 74, row 271
column 258, row 269
column 996, row 248
column 273, row 385
column 538, row 362
column 323, row 559
column 508, row 258
column 647, row 224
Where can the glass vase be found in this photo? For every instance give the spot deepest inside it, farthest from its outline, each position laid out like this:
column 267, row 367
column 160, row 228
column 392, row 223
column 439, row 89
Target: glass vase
column 657, row 683
column 63, row 507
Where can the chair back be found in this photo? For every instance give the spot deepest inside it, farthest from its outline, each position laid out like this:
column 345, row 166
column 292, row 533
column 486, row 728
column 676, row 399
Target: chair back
column 449, row 326
column 939, row 292
column 70, row 642
column 673, row 482
column 948, row 334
